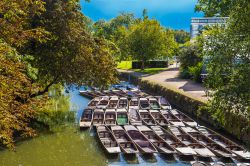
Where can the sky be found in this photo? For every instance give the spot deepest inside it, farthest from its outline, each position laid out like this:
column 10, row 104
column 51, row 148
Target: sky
column 175, row 14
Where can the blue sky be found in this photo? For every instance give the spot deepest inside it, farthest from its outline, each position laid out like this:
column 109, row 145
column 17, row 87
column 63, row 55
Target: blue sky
column 175, row 14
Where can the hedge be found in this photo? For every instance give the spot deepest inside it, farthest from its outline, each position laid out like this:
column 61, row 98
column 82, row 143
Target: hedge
column 150, row 64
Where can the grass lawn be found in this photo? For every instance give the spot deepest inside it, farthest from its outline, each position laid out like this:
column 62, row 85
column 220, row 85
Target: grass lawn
column 150, row 70
column 125, row 65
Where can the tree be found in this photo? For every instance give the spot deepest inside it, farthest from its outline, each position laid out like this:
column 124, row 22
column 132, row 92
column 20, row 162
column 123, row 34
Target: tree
column 215, row 8
column 148, row 40
column 181, row 36
column 228, row 69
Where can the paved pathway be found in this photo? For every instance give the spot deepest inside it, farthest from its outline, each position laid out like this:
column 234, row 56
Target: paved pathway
column 169, row 78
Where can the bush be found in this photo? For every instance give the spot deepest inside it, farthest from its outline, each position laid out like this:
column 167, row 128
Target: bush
column 195, row 72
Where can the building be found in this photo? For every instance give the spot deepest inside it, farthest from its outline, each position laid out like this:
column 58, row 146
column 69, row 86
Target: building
column 198, row 24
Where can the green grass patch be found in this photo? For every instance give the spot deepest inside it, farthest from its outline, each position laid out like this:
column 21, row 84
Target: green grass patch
column 125, row 65
column 150, row 70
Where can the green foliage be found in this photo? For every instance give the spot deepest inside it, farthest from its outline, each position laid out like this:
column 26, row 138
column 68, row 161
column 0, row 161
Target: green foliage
column 191, row 57
column 195, row 72
column 215, row 7
column 229, row 68
column 147, row 40
column 181, row 36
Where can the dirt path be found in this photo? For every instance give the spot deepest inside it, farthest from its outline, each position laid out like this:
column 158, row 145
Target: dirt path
column 169, row 78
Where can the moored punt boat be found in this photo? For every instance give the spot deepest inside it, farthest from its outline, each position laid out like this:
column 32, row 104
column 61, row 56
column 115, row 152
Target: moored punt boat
column 140, row 140
column 200, row 149
column 144, row 104
column 87, row 94
column 173, row 120
column 198, row 163
column 107, row 140
column 103, row 103
column 98, row 117
column 123, row 103
column 126, row 144
column 154, row 104
column 118, row 93
column 122, row 117
column 113, row 102
column 174, row 142
column 146, row 118
column 159, row 118
column 210, row 144
column 217, row 164
column 239, row 151
column 184, row 118
column 110, row 117
column 134, row 117
column 134, row 103
column 164, row 103
column 157, row 141
column 86, row 118
column 93, row 103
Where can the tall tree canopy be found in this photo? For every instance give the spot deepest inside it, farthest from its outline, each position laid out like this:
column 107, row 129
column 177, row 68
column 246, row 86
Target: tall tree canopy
column 215, row 7
column 44, row 42
column 229, row 67
column 148, row 40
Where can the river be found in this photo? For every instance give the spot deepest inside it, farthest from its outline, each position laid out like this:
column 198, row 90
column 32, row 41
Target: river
column 70, row 147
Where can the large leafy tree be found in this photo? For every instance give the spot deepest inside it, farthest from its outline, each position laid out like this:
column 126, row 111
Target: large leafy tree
column 215, row 7
column 44, row 42
column 148, row 40
column 228, row 69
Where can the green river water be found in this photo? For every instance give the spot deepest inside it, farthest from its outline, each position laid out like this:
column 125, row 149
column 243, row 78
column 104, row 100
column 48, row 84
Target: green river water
column 69, row 146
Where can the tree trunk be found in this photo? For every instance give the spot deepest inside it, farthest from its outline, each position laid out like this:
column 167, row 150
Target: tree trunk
column 142, row 65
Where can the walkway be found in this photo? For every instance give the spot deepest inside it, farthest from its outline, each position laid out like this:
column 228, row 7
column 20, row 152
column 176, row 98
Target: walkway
column 169, row 78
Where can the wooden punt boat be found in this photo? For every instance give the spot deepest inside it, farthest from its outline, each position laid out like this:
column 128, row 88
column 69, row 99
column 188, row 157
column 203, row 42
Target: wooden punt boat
column 123, row 103
column 113, row 102
column 126, row 144
column 164, row 103
column 118, row 93
column 103, row 103
column 158, row 117
column 93, row 103
column 198, row 163
column 239, row 151
column 174, row 142
column 146, row 118
column 184, row 118
column 98, row 117
column 200, row 149
column 107, row 140
column 134, row 117
column 156, row 140
column 134, row 103
column 172, row 119
column 154, row 104
column 122, row 117
column 87, row 94
column 110, row 117
column 86, row 118
column 140, row 140
column 144, row 103
column 217, row 164
column 210, row 144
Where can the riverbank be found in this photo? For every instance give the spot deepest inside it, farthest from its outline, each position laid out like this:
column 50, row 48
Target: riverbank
column 191, row 100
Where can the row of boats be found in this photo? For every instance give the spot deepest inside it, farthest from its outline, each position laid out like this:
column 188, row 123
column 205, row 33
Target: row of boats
column 114, row 92
column 148, row 124
column 112, row 117
column 184, row 141
column 116, row 102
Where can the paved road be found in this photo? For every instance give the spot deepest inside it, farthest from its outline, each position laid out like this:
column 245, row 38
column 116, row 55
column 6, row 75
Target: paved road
column 169, row 78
